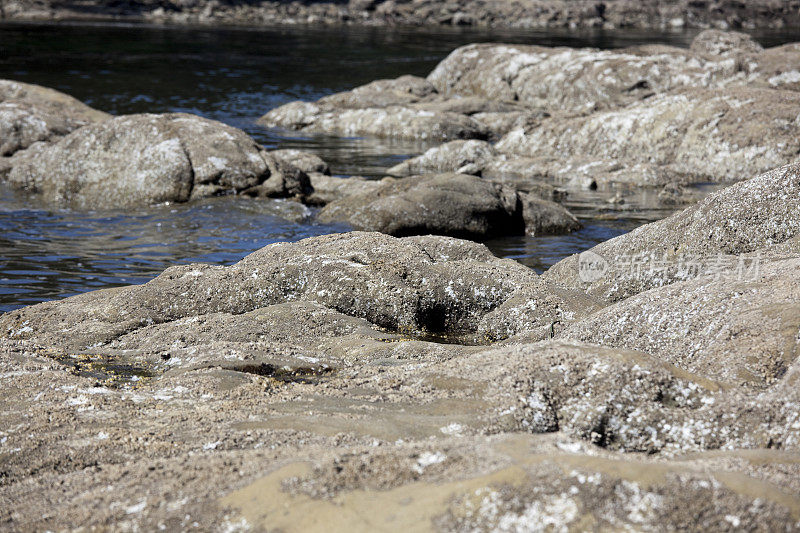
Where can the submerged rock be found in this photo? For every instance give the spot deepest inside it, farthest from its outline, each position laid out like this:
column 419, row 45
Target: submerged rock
column 30, row 113
column 458, row 205
column 141, row 159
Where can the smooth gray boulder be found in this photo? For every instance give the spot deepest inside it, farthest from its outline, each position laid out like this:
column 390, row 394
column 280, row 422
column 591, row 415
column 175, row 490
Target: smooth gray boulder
column 327, row 189
column 759, row 215
column 30, row 113
column 457, row 205
column 143, row 159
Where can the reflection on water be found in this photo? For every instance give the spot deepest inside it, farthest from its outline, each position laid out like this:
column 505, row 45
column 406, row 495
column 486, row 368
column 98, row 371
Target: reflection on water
column 235, row 76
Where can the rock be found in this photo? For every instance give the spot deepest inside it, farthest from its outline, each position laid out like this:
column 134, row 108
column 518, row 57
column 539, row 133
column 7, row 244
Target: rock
column 543, row 217
column 305, row 161
column 30, row 113
column 724, row 43
column 382, row 93
column 464, row 157
column 732, row 328
column 327, row 189
column 414, row 284
column 777, row 68
column 140, row 159
column 573, row 80
column 448, row 204
column 757, row 215
column 532, row 173
column 392, row 121
column 695, row 133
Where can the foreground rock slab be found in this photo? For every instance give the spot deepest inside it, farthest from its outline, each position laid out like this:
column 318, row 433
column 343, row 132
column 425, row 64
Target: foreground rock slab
column 761, row 214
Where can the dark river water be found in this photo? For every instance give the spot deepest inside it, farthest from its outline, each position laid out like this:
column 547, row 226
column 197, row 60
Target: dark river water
column 235, row 76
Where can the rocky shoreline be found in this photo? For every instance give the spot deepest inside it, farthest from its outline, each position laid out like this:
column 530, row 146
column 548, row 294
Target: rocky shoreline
column 402, row 377
column 608, row 14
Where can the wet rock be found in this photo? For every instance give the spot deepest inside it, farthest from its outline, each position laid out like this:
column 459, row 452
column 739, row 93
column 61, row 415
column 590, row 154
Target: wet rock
column 140, row 159
column 757, row 215
column 391, row 121
column 327, row 189
column 463, row 157
column 543, row 217
column 449, row 204
column 30, row 113
column 305, row 161
column 696, row 133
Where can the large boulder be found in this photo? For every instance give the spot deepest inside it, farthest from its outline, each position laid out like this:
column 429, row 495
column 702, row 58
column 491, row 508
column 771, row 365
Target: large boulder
column 413, row 284
column 458, row 205
column 576, row 80
column 142, row 159
column 30, row 113
column 697, row 133
column 761, row 214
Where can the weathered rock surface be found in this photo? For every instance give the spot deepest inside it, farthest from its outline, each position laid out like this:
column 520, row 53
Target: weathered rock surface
column 463, row 157
column 696, row 133
column 724, row 43
column 491, row 13
column 327, row 189
column 391, row 121
column 761, row 214
column 457, row 205
column 141, row 159
column 588, row 80
column 30, row 113
column 736, row 329
column 305, row 161
column 269, row 387
column 433, row 283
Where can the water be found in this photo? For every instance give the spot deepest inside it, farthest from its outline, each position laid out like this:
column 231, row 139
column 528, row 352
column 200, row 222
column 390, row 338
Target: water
column 235, row 75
